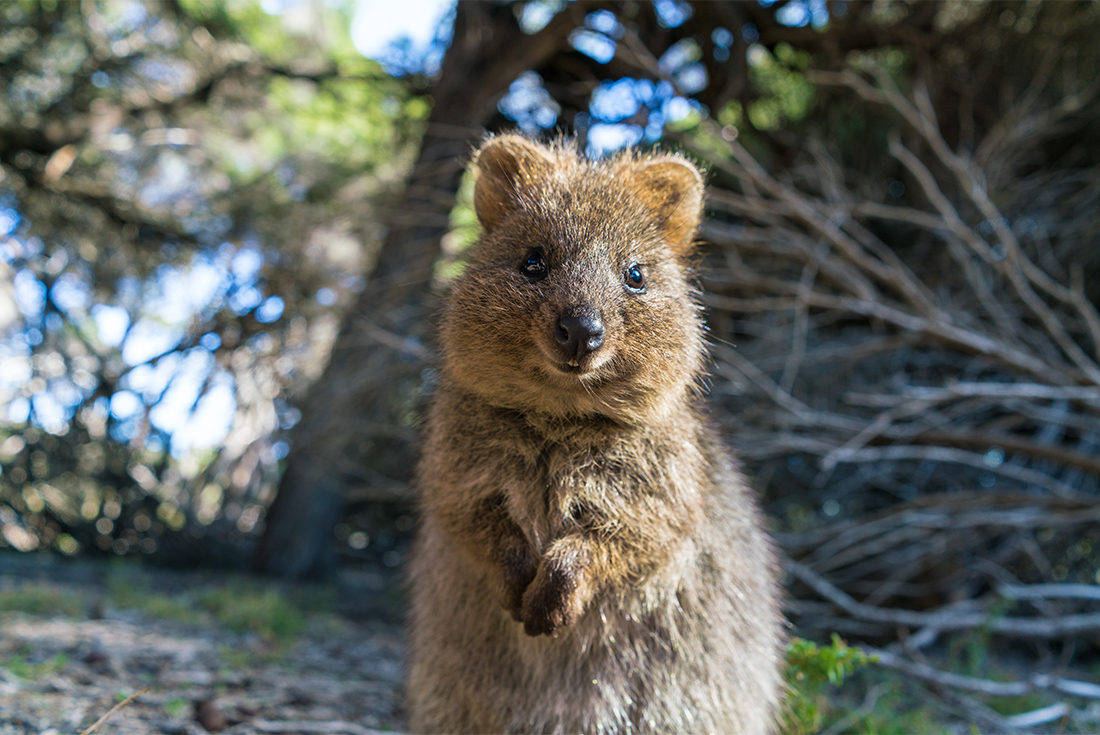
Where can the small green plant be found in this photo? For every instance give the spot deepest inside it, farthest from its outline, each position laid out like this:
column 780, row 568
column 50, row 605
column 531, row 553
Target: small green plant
column 41, row 600
column 170, row 608
column 176, row 707
column 811, row 669
column 808, row 662
column 239, row 607
column 126, row 586
column 234, row 659
column 129, row 588
column 898, row 709
column 265, row 613
column 20, row 666
column 971, row 654
column 1019, row 704
column 314, row 599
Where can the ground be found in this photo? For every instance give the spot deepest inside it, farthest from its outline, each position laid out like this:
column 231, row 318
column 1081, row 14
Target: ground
column 217, row 652
column 224, row 652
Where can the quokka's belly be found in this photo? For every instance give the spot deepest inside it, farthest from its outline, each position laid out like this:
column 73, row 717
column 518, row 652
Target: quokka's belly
column 619, row 668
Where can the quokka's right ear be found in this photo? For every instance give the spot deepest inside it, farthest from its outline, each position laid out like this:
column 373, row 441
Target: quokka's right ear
column 507, row 167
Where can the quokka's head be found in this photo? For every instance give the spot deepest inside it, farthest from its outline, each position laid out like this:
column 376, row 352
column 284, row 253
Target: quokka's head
column 576, row 299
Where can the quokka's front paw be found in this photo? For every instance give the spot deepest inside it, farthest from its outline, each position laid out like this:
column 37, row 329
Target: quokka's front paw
column 551, row 602
column 518, row 566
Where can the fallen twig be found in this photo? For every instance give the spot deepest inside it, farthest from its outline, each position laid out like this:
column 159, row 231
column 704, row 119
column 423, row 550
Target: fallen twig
column 1043, row 682
column 1049, row 591
column 952, row 391
column 1039, row 716
column 1065, row 625
column 116, row 708
column 956, row 456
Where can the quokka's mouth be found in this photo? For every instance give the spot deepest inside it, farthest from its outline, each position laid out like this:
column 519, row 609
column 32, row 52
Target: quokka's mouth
column 573, row 367
column 584, row 367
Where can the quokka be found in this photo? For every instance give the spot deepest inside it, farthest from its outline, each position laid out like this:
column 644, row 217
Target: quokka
column 589, row 558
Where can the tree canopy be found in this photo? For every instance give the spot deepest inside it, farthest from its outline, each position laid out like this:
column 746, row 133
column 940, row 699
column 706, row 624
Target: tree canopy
column 189, row 196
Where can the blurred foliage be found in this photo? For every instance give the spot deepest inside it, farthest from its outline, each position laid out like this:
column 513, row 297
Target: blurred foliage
column 26, row 666
column 814, row 665
column 464, row 230
column 40, row 600
column 187, row 205
column 265, row 613
column 785, row 95
column 811, row 672
column 238, row 604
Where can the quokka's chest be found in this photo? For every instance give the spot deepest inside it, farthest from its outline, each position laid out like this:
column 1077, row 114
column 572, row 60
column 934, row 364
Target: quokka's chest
column 600, row 486
column 555, row 488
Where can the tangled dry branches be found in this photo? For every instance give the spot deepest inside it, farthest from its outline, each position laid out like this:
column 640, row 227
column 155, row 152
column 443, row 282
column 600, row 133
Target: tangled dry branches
column 932, row 368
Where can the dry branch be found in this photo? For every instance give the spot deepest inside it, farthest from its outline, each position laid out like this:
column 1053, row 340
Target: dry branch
column 1066, row 625
column 1039, row 682
column 950, row 456
column 95, row 725
column 953, row 391
column 1049, row 591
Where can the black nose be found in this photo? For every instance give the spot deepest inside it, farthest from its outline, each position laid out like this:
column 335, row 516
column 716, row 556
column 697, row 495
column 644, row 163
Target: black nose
column 579, row 332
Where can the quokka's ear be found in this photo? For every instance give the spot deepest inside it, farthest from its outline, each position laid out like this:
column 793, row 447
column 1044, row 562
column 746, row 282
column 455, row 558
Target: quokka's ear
column 672, row 189
column 507, row 167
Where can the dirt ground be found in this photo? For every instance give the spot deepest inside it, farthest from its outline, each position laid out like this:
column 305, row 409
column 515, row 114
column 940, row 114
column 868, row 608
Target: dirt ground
column 77, row 638
column 228, row 653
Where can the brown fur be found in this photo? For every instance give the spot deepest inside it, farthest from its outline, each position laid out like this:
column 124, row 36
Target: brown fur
column 589, row 560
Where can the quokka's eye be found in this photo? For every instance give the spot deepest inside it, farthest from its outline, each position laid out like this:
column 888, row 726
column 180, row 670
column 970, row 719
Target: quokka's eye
column 634, row 278
column 534, row 265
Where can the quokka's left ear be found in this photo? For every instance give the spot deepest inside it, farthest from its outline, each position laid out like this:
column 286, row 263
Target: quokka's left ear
column 672, row 189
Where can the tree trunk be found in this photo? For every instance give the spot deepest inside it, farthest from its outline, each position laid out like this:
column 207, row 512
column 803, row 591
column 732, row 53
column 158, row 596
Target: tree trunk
column 356, row 429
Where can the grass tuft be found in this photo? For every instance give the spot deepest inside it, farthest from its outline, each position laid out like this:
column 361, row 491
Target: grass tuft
column 41, row 600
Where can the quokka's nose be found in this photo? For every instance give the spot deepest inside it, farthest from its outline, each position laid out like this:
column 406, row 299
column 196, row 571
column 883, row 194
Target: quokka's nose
column 579, row 332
